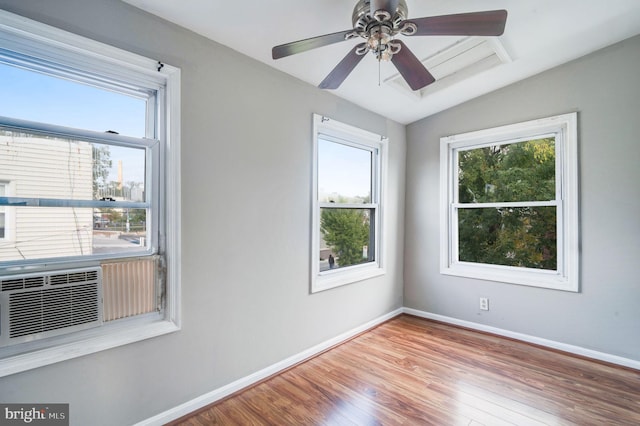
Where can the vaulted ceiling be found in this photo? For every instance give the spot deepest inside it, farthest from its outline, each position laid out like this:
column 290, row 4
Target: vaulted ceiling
column 539, row 35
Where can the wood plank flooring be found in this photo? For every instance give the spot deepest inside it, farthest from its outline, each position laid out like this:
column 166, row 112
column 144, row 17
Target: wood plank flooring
column 411, row 371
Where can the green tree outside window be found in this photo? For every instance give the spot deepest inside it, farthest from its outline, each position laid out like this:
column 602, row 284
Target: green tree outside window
column 510, row 236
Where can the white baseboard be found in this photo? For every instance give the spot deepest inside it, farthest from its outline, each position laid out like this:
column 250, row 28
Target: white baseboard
column 218, row 394
column 577, row 350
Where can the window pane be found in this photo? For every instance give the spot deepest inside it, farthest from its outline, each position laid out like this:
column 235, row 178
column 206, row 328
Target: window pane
column 49, row 167
column 523, row 171
column 54, row 232
column 524, row 237
column 34, row 96
column 57, row 168
column 118, row 173
column 119, row 230
column 346, row 237
column 344, row 173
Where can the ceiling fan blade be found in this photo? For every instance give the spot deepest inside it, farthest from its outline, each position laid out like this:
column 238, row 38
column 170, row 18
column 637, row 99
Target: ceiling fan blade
column 488, row 23
column 343, row 69
column 308, row 44
column 414, row 73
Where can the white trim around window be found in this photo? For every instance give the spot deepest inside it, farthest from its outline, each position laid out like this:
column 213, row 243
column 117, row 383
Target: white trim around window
column 563, row 128
column 33, row 41
column 331, row 130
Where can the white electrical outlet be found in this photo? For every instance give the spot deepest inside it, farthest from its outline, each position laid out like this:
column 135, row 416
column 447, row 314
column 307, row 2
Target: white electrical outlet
column 484, row 303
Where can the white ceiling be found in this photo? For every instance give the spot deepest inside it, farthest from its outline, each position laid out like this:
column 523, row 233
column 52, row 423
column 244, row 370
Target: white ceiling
column 539, row 35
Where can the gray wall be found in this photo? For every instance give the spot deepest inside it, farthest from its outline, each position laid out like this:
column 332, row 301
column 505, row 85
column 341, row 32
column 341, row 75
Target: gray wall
column 246, row 169
column 605, row 316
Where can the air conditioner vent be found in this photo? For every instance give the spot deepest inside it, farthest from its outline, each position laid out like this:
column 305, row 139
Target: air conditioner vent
column 21, row 283
column 36, row 306
column 73, row 277
column 52, row 309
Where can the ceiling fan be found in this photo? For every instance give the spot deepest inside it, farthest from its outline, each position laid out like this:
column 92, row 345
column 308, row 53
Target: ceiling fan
column 378, row 22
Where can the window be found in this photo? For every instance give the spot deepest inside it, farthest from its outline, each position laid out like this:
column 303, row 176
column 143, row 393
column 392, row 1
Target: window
column 89, row 177
column 509, row 204
column 346, row 204
column 3, row 214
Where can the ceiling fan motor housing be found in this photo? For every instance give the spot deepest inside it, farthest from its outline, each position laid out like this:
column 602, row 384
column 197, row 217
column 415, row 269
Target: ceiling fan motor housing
column 369, row 13
column 378, row 21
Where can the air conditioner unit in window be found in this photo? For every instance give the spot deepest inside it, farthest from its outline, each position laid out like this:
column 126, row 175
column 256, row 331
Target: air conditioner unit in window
column 35, row 306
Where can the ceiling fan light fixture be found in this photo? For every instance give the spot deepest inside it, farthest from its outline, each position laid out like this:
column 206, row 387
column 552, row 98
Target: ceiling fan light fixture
column 383, row 54
column 378, row 42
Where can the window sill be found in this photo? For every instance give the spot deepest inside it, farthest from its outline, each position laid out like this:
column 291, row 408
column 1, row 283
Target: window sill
column 331, row 279
column 85, row 343
column 511, row 275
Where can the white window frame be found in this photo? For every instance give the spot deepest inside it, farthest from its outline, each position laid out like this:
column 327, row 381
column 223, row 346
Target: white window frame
column 564, row 129
column 9, row 217
column 377, row 144
column 5, row 211
column 33, row 39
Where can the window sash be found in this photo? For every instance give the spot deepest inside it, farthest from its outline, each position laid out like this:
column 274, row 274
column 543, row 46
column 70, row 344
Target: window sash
column 375, row 160
column 45, row 129
column 456, row 149
column 455, row 237
column 3, row 192
column 506, row 204
column 374, row 226
column 348, row 206
column 60, row 202
column 153, row 184
column 470, row 146
column 4, row 213
column 55, row 69
column 372, row 246
column 47, row 50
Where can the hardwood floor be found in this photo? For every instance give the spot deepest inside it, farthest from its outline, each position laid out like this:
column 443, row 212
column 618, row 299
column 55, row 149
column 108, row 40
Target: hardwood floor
column 417, row 372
